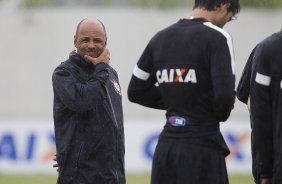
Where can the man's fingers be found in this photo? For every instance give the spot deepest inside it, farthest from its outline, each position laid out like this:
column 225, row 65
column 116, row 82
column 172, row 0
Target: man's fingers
column 104, row 57
column 55, row 157
column 56, row 166
column 266, row 181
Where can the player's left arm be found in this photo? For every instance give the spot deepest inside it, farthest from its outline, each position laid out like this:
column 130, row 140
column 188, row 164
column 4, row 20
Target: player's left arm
column 223, row 77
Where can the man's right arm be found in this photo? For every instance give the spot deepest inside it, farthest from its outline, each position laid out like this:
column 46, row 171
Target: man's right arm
column 144, row 92
column 261, row 113
column 142, row 88
column 266, row 181
column 76, row 95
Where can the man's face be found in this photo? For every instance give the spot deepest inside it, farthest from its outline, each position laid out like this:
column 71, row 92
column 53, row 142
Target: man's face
column 223, row 16
column 90, row 40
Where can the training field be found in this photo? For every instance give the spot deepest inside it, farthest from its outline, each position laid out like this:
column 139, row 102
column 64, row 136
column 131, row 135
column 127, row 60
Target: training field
column 131, row 179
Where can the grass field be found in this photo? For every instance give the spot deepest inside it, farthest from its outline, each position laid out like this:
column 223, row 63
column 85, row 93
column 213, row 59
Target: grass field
column 131, row 179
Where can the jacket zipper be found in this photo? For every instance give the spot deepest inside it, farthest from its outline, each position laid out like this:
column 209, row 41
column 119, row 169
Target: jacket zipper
column 115, row 121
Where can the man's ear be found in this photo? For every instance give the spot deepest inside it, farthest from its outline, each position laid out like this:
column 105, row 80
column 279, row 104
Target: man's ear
column 75, row 41
column 226, row 5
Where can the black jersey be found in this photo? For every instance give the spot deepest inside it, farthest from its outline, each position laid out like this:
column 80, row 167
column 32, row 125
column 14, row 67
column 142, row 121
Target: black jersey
column 266, row 107
column 187, row 69
column 243, row 88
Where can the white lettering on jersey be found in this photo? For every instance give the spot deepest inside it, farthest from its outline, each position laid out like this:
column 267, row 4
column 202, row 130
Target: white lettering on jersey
column 164, row 76
column 171, row 74
column 158, row 75
column 176, row 75
column 281, row 84
column 191, row 76
column 179, row 75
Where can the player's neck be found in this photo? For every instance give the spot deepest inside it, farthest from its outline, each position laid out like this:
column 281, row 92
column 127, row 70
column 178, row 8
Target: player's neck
column 202, row 13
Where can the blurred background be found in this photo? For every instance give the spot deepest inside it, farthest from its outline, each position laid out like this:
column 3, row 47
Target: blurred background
column 36, row 35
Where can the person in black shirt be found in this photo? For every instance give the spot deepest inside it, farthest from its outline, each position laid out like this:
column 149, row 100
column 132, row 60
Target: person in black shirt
column 187, row 69
column 88, row 115
column 265, row 94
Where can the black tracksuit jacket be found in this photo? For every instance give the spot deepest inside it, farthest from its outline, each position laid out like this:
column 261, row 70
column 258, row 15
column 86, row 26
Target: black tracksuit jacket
column 266, row 108
column 88, row 122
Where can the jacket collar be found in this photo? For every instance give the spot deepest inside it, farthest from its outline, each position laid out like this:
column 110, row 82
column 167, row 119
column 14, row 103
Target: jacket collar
column 75, row 58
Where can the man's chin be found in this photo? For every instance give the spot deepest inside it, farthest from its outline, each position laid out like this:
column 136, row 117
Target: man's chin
column 92, row 55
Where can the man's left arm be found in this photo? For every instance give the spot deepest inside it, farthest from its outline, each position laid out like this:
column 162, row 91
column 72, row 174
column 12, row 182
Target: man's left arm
column 223, row 77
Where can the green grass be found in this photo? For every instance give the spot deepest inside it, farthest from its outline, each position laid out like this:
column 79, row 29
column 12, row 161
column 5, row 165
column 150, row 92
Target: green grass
column 131, row 179
column 27, row 179
column 241, row 179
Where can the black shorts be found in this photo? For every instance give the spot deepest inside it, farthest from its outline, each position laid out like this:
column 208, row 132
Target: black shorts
column 192, row 161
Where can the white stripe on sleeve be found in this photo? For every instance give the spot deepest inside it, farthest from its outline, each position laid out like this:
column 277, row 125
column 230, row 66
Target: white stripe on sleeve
column 263, row 79
column 229, row 43
column 141, row 74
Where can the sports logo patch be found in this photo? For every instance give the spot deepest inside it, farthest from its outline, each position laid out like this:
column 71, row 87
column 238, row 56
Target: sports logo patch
column 116, row 86
column 177, row 121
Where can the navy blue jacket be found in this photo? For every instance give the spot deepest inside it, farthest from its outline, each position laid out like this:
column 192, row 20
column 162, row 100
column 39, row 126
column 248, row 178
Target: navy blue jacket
column 88, row 120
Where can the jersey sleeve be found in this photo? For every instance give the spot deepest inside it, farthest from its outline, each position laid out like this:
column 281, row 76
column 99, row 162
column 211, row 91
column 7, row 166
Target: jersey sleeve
column 223, row 76
column 142, row 88
column 261, row 112
column 243, row 88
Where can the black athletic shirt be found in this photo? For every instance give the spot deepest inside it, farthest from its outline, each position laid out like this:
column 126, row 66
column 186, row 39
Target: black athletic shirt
column 266, row 107
column 243, row 88
column 187, row 69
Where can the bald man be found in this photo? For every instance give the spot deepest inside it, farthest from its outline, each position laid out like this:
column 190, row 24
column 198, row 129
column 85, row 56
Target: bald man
column 88, row 115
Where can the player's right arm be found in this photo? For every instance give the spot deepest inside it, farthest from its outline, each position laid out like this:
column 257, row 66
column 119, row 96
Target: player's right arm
column 142, row 88
column 261, row 113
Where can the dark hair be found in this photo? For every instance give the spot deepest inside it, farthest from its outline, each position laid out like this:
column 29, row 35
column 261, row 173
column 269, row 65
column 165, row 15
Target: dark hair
column 103, row 28
column 78, row 26
column 210, row 5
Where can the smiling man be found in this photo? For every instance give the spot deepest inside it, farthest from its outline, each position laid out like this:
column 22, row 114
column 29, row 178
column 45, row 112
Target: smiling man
column 90, row 38
column 88, row 115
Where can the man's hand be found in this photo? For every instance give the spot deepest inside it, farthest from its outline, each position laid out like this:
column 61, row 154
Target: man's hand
column 266, row 181
column 56, row 165
column 104, row 57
